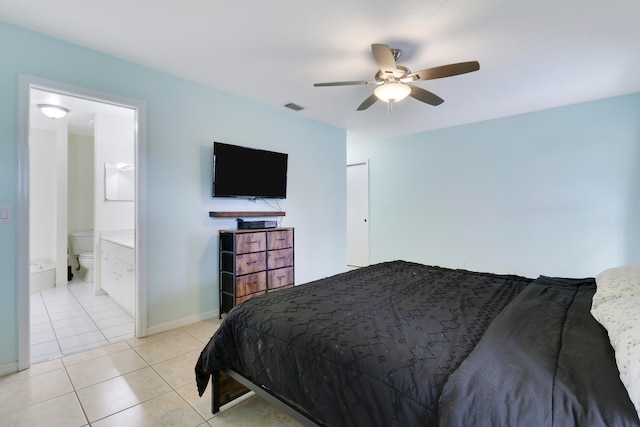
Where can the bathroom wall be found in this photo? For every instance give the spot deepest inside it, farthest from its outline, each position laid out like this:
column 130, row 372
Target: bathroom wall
column 114, row 143
column 43, row 194
column 80, row 184
column 48, row 197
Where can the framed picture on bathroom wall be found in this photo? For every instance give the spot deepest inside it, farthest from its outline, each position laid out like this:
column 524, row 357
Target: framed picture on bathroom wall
column 119, row 182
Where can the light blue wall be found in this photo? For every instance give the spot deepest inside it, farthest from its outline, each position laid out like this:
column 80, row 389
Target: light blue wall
column 554, row 192
column 183, row 121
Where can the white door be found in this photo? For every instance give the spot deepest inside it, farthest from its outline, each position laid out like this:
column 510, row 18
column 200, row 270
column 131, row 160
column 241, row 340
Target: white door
column 358, row 214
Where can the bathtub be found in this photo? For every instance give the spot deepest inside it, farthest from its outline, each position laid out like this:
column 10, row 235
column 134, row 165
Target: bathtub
column 42, row 274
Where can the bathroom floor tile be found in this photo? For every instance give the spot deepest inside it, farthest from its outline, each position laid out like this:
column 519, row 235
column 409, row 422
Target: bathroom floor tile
column 66, row 310
column 78, row 329
column 41, row 327
column 124, row 331
column 67, row 314
column 114, row 321
column 106, row 314
column 91, row 301
column 72, row 306
column 38, row 311
column 42, row 337
column 44, row 351
column 85, row 347
column 43, row 318
column 81, row 340
column 71, row 321
column 94, row 354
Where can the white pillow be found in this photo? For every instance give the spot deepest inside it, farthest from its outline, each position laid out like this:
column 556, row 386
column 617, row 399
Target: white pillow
column 616, row 305
column 616, row 283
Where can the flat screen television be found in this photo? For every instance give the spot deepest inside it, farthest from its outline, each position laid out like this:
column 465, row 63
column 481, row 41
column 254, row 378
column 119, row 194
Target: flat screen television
column 248, row 172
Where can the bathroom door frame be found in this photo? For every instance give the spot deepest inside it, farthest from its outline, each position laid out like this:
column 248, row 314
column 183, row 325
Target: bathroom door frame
column 26, row 83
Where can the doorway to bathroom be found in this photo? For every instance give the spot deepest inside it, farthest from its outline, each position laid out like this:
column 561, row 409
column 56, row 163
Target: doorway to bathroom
column 70, row 200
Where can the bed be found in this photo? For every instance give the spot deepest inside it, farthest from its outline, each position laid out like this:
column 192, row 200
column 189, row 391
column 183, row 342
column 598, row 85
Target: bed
column 406, row 344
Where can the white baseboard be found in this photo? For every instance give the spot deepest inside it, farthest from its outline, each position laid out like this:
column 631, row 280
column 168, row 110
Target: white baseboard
column 152, row 330
column 9, row 368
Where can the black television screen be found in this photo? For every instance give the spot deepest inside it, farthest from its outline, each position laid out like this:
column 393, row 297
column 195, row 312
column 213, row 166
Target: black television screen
column 248, row 172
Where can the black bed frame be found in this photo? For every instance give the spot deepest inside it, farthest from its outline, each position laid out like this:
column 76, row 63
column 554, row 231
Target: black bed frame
column 228, row 385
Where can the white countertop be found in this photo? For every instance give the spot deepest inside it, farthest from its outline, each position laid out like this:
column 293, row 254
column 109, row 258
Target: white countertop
column 127, row 241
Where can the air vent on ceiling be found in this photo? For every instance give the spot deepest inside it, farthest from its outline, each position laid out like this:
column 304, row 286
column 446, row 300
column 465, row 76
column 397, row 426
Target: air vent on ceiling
column 294, row 107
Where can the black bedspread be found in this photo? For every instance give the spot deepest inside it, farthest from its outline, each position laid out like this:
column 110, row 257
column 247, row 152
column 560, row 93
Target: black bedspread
column 369, row 347
column 544, row 361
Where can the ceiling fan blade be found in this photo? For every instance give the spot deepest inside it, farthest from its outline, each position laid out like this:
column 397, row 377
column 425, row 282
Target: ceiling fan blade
column 368, row 102
column 384, row 58
column 425, row 96
column 355, row 82
column 445, row 71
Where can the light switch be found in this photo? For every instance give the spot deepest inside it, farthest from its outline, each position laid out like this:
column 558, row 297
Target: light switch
column 5, row 214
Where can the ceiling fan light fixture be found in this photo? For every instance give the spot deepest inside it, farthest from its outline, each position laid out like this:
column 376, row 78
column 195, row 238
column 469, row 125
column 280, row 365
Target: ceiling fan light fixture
column 53, row 111
column 392, row 92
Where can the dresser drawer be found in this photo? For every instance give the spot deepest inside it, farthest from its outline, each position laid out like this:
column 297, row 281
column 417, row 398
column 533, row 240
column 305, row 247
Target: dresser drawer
column 251, row 283
column 251, row 242
column 280, row 258
column 250, row 263
column 280, row 239
column 280, row 278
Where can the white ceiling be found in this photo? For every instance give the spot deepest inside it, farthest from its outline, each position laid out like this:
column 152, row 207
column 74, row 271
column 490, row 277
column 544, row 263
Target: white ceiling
column 82, row 112
column 533, row 54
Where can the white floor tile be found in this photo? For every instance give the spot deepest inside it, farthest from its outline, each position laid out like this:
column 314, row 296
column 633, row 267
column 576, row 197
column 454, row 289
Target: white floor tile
column 114, row 312
column 38, row 311
column 73, row 341
column 42, row 337
column 41, row 327
column 67, row 314
column 72, row 321
column 36, row 320
column 110, row 322
column 45, row 351
column 78, row 329
column 124, row 331
column 85, row 347
column 64, row 307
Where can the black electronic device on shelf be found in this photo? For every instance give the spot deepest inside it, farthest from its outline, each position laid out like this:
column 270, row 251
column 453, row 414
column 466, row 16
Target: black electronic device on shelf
column 245, row 225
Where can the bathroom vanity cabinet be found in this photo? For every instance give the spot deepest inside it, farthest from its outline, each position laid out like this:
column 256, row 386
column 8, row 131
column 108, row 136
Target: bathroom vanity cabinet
column 118, row 274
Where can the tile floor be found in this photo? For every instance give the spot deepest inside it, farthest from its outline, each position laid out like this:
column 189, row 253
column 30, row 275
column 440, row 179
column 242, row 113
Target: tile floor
column 135, row 382
column 70, row 319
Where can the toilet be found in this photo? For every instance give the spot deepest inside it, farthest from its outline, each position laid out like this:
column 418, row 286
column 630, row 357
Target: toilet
column 82, row 247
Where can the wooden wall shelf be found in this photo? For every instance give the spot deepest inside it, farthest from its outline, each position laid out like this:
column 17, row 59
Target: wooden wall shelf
column 244, row 214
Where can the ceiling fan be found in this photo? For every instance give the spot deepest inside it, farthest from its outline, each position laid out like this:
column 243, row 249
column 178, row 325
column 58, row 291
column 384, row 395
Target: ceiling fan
column 394, row 81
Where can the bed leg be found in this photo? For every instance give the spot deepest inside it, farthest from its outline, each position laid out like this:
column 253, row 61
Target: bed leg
column 215, row 392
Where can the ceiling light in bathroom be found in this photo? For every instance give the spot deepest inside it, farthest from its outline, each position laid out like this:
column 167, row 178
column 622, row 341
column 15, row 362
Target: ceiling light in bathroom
column 53, row 111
